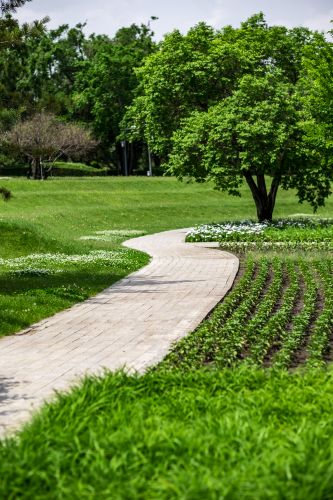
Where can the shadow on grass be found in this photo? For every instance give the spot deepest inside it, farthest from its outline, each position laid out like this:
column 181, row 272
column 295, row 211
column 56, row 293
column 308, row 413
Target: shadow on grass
column 63, row 285
column 27, row 300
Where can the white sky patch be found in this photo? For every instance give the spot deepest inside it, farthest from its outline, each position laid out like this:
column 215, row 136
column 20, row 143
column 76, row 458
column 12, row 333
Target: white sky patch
column 108, row 16
column 320, row 22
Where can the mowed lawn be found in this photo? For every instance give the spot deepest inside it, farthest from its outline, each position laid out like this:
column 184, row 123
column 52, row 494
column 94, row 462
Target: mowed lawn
column 184, row 430
column 67, row 216
column 68, row 208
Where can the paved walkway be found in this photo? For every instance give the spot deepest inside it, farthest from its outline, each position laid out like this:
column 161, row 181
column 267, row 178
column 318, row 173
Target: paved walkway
column 130, row 324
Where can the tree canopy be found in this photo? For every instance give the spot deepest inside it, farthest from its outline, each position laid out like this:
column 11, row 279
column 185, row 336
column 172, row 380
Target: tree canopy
column 230, row 106
column 62, row 71
column 106, row 83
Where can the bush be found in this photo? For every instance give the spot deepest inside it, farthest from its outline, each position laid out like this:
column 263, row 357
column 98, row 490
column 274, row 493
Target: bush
column 10, row 166
column 62, row 168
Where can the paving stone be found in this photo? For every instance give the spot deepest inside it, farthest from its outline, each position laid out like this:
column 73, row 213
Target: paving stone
column 130, row 324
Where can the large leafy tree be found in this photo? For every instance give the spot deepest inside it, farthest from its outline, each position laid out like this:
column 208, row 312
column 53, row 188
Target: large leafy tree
column 226, row 106
column 254, row 133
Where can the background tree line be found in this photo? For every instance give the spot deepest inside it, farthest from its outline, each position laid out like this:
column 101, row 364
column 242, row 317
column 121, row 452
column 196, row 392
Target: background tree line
column 233, row 105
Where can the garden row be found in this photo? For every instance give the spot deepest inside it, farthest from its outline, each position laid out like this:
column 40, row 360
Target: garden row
column 279, row 314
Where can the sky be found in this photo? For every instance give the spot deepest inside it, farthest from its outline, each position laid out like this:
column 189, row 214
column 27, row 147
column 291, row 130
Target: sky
column 103, row 16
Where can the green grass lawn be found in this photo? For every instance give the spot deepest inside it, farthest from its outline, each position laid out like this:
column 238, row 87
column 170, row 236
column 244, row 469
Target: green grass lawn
column 194, row 427
column 64, row 216
column 66, row 209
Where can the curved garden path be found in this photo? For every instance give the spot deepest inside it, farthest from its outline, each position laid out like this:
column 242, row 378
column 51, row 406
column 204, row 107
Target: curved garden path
column 131, row 324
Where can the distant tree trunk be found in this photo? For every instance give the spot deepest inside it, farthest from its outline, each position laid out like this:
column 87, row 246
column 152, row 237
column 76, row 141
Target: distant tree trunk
column 265, row 202
column 119, row 158
column 33, row 169
column 37, row 171
column 131, row 158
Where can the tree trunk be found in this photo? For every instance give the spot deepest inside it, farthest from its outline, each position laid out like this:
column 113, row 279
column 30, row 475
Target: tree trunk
column 37, row 169
column 119, row 158
column 265, row 202
column 34, row 168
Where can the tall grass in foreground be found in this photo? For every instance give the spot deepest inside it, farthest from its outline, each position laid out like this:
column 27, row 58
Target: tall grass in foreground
column 245, row 433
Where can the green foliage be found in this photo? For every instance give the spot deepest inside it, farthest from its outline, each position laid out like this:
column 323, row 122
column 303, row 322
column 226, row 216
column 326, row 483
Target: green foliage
column 230, row 434
column 253, row 132
column 316, row 85
column 228, row 106
column 200, row 69
column 61, row 168
column 17, row 43
column 319, row 342
column 106, row 82
column 279, row 313
column 51, row 66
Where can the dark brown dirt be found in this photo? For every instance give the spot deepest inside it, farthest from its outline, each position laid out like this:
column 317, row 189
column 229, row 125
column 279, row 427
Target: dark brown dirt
column 301, row 354
column 298, row 306
column 246, row 349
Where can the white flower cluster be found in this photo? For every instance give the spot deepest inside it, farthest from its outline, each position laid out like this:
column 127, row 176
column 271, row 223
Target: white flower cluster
column 208, row 232
column 114, row 258
column 300, row 223
column 246, row 227
column 96, row 238
column 113, row 234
